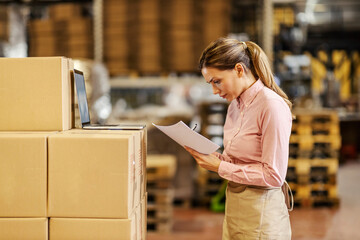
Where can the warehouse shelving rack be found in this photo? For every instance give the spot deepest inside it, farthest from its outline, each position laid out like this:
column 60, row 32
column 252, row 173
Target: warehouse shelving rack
column 97, row 18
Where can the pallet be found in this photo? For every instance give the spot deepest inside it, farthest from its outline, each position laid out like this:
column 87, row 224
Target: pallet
column 316, row 116
column 319, row 152
column 207, row 109
column 159, row 184
column 304, row 166
column 206, row 177
column 316, row 202
column 161, row 196
column 158, row 211
column 160, row 167
column 313, row 177
column 309, row 142
column 315, row 190
column 315, row 129
column 209, row 183
column 159, row 225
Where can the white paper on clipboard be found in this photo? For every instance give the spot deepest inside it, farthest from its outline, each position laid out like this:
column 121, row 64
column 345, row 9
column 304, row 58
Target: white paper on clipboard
column 185, row 136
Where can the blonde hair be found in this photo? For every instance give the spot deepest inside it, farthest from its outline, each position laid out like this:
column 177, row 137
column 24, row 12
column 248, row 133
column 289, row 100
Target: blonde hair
column 225, row 53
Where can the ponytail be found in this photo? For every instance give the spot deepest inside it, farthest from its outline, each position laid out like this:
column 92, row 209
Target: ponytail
column 225, row 53
column 261, row 69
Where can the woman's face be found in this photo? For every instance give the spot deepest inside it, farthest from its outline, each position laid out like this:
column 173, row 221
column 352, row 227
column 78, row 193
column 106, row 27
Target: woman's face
column 227, row 83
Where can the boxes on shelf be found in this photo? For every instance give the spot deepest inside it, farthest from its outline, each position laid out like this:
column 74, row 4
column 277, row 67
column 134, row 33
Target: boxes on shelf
column 216, row 15
column 35, row 94
column 43, row 38
column 117, row 23
column 4, row 24
column 65, row 11
column 71, row 34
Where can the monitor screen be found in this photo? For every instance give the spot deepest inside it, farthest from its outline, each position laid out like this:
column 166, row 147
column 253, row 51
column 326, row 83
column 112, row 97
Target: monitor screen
column 81, row 96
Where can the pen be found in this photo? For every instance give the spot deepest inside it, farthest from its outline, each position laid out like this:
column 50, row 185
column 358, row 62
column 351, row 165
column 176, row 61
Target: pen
column 194, row 127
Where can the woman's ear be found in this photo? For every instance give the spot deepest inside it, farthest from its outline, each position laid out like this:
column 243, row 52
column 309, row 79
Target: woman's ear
column 239, row 69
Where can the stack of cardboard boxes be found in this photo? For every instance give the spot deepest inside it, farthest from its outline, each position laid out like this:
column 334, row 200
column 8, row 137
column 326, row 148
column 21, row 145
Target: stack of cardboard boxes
column 43, row 38
column 153, row 37
column 116, row 36
column 64, row 33
column 148, row 50
column 216, row 19
column 57, row 182
column 180, row 35
column 4, row 24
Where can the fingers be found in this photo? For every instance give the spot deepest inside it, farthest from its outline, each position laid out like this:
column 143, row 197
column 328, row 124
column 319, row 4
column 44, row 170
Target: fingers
column 190, row 150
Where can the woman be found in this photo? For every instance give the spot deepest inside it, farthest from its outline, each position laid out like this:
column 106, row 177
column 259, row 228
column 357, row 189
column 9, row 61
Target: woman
column 256, row 140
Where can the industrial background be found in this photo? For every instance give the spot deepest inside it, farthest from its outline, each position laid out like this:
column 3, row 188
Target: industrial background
column 140, row 57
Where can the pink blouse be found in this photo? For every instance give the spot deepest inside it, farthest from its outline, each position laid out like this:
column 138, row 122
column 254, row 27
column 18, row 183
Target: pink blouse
column 256, row 138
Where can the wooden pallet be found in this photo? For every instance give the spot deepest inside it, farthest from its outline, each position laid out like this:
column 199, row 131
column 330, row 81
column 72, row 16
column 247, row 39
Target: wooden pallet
column 304, row 166
column 319, row 152
column 315, row 190
column 159, row 184
column 315, row 116
column 161, row 196
column 316, row 202
column 160, row 167
column 309, row 142
column 206, row 177
column 209, row 183
column 313, row 177
column 315, row 129
column 158, row 211
column 159, row 225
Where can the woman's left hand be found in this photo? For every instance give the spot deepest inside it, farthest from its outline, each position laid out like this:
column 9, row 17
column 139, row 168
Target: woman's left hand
column 207, row 161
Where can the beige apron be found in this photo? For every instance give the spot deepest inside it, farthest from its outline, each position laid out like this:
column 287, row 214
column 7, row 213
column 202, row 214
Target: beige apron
column 254, row 212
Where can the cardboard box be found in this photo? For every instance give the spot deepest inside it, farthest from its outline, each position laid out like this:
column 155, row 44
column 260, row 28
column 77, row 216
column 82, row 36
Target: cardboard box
column 92, row 175
column 23, row 174
column 132, row 228
column 65, row 11
column 4, row 31
column 23, row 228
column 140, row 150
column 80, row 53
column 48, row 40
column 117, row 66
column 144, row 216
column 115, row 32
column 116, row 48
column 76, row 26
column 92, row 229
column 115, row 10
column 44, row 51
column 42, row 26
column 35, row 94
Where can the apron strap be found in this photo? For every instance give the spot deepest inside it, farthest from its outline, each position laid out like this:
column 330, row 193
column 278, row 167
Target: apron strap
column 288, row 200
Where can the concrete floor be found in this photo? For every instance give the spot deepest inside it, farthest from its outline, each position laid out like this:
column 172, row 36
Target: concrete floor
column 321, row 223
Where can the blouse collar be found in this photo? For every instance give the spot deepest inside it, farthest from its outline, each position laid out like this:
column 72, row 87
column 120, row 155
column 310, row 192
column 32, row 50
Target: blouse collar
column 249, row 94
